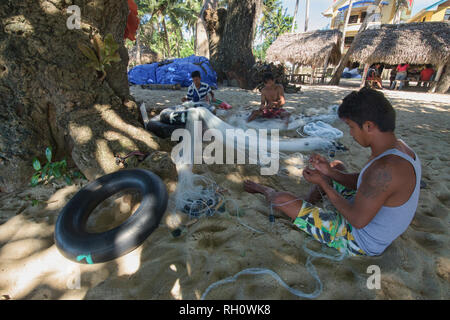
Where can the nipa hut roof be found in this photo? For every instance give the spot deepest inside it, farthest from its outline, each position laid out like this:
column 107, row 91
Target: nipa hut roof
column 310, row 48
column 414, row 43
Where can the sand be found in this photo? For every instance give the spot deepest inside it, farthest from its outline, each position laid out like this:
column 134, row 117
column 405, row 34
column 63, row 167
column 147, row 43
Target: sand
column 415, row 266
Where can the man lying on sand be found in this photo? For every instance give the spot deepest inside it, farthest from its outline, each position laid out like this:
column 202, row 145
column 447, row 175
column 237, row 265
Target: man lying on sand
column 272, row 101
column 368, row 220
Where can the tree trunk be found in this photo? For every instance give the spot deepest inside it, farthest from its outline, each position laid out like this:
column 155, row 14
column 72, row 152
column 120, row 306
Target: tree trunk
column 295, row 15
column 235, row 56
column 215, row 20
column 443, row 83
column 347, row 18
column 179, row 40
column 307, row 16
column 201, row 36
column 138, row 49
column 49, row 97
column 337, row 74
column 166, row 38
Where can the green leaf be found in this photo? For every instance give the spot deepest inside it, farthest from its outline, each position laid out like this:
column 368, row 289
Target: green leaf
column 57, row 172
column 36, row 164
column 35, row 180
column 115, row 57
column 99, row 48
column 110, row 45
column 95, row 65
column 68, row 180
column 48, row 154
column 88, row 52
column 34, row 202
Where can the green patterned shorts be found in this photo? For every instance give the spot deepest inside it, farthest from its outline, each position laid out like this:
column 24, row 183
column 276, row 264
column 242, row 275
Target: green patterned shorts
column 328, row 226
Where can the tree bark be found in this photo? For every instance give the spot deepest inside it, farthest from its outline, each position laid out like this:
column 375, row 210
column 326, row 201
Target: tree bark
column 337, row 74
column 215, row 20
column 201, row 36
column 49, row 97
column 235, row 56
column 138, row 49
column 443, row 83
column 166, row 37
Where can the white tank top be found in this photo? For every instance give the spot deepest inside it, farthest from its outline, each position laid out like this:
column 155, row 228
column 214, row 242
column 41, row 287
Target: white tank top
column 390, row 222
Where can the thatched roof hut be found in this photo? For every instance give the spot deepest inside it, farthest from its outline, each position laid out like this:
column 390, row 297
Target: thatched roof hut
column 308, row 49
column 413, row 43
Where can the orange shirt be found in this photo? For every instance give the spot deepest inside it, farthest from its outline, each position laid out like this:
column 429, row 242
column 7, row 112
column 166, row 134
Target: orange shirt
column 132, row 22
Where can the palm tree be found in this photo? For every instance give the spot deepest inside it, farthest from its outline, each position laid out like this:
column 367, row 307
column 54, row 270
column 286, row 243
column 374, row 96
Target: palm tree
column 201, row 36
column 347, row 18
column 295, row 15
column 400, row 5
column 337, row 74
column 169, row 12
column 307, row 15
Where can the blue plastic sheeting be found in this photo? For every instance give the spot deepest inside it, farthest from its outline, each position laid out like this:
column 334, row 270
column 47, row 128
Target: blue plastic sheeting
column 175, row 71
column 143, row 74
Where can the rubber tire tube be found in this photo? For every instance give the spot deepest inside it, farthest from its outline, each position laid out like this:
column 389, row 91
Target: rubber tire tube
column 78, row 245
column 162, row 130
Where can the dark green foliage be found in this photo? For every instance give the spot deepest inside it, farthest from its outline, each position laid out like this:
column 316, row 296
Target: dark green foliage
column 52, row 170
column 275, row 22
column 104, row 53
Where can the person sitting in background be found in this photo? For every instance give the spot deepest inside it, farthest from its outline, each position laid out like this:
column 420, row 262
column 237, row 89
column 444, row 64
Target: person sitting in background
column 374, row 75
column 402, row 73
column 353, row 73
column 346, row 73
column 392, row 76
column 426, row 75
column 198, row 90
column 272, row 101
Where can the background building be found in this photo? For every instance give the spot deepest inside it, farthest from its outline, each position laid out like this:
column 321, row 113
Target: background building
column 439, row 11
column 388, row 15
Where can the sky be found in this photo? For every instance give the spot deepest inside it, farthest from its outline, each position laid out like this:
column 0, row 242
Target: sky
column 316, row 7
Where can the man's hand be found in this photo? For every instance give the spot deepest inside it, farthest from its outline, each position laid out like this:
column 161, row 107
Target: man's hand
column 320, row 164
column 313, row 176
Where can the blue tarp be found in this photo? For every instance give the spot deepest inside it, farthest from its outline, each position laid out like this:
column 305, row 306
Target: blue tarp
column 175, row 71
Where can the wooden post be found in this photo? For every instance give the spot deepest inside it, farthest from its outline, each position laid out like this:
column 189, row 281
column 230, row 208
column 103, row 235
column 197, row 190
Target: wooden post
column 436, row 79
column 311, row 79
column 325, row 68
column 363, row 80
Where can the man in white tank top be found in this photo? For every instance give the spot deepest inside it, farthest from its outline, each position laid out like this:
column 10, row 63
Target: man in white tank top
column 387, row 189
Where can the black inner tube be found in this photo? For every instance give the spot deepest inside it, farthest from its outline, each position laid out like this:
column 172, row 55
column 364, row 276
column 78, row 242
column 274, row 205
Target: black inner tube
column 77, row 244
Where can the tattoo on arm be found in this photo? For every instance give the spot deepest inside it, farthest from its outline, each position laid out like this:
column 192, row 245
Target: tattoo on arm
column 377, row 181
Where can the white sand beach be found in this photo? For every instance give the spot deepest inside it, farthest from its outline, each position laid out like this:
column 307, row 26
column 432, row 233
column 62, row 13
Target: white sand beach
column 415, row 266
